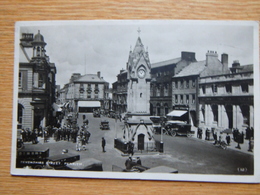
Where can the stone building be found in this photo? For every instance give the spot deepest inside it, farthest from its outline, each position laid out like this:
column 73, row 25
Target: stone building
column 185, row 90
column 119, row 89
column 36, row 83
column 85, row 93
column 185, row 93
column 161, row 84
column 226, row 100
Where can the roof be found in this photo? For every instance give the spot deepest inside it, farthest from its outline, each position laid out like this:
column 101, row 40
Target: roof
column 194, row 68
column 244, row 68
column 167, row 62
column 90, row 78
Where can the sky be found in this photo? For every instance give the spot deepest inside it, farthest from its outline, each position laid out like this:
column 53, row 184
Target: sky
column 87, row 47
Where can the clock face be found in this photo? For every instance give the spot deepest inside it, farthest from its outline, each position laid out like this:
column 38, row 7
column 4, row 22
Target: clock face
column 141, row 73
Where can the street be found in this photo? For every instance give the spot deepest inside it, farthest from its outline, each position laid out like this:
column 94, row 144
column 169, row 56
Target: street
column 187, row 155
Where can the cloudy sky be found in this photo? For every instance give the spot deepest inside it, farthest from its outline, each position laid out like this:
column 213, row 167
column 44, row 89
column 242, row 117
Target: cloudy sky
column 89, row 46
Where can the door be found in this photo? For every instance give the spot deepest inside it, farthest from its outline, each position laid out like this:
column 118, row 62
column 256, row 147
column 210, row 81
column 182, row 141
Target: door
column 141, row 142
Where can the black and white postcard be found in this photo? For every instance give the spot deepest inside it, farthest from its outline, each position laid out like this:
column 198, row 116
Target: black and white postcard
column 137, row 99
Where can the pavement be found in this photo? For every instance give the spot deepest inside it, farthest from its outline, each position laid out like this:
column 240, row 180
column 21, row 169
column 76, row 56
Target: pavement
column 244, row 148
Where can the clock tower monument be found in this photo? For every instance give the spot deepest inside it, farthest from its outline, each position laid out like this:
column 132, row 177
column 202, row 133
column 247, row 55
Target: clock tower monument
column 139, row 78
column 138, row 126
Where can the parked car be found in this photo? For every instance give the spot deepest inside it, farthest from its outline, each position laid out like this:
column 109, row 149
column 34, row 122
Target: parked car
column 174, row 128
column 96, row 113
column 104, row 125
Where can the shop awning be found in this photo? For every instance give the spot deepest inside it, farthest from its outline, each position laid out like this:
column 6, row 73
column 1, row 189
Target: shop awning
column 89, row 104
column 177, row 113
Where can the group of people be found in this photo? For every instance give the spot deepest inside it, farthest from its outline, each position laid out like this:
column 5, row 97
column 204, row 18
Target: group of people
column 82, row 139
column 32, row 135
column 238, row 136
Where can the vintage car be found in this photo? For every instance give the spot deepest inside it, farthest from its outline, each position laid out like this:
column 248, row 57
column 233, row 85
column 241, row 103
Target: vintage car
column 174, row 128
column 96, row 114
column 104, row 125
column 156, row 124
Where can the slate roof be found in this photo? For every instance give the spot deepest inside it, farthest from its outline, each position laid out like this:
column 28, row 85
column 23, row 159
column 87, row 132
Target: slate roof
column 194, row 68
column 245, row 68
column 167, row 62
column 90, row 78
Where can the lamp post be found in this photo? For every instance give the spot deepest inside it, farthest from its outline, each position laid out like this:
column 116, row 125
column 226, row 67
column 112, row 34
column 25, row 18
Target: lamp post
column 161, row 142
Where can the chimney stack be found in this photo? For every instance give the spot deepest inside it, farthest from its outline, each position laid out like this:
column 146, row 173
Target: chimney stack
column 224, row 59
column 98, row 74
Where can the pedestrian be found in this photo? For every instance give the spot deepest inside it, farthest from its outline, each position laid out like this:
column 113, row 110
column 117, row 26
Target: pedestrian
column 103, row 143
column 79, row 142
column 128, row 164
column 139, row 161
column 228, row 139
column 130, row 148
column 251, row 144
column 215, row 137
column 207, row 134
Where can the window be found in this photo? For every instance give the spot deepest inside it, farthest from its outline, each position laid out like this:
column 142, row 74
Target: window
column 187, row 84
column 176, row 99
column 244, row 87
column 193, row 98
column 203, row 89
column 181, row 85
column 181, row 99
column 228, row 88
column 158, row 90
column 20, row 80
column 214, row 88
column 187, row 99
column 166, row 87
column 40, row 81
column 20, row 114
column 38, row 51
column 176, row 84
column 193, row 83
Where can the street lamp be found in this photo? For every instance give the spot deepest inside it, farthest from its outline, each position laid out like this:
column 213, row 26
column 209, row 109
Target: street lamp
column 161, row 142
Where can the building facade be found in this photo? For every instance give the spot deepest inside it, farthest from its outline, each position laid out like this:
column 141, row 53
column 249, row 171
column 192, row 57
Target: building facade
column 161, row 85
column 226, row 101
column 85, row 93
column 119, row 89
column 185, row 93
column 36, row 90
